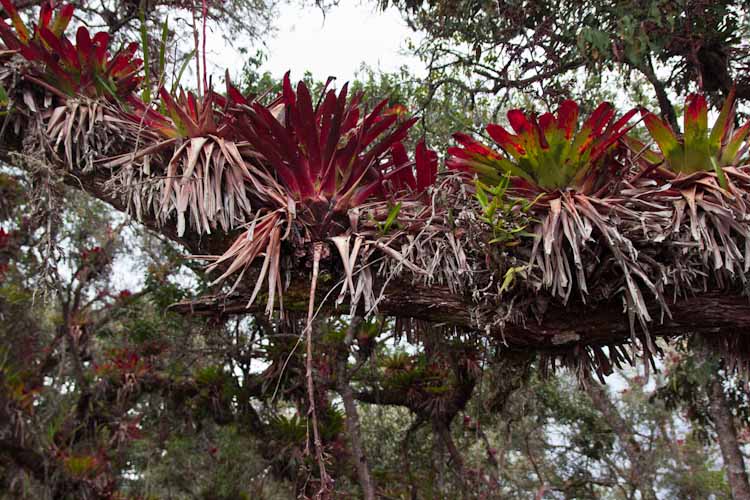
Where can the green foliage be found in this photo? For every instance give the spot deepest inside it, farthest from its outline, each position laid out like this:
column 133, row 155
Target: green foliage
column 288, row 430
column 385, row 226
column 701, row 149
column 4, row 101
column 507, row 216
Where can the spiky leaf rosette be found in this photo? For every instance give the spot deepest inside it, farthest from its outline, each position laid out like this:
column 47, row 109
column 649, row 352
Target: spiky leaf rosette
column 701, row 179
column 84, row 68
column 571, row 173
column 320, row 160
column 700, row 149
column 203, row 184
column 327, row 154
column 546, row 154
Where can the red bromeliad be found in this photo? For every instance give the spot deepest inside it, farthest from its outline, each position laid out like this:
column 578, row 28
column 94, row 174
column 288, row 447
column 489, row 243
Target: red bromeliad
column 328, row 154
column 574, row 169
column 206, row 174
column 546, row 154
column 86, row 68
column 317, row 161
column 187, row 115
column 701, row 176
column 699, row 149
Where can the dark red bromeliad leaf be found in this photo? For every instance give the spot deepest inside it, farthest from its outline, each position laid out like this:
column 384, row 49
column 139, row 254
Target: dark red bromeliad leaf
column 327, row 157
column 85, row 68
column 332, row 151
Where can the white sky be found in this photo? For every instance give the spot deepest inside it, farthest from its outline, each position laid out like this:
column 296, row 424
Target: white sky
column 336, row 44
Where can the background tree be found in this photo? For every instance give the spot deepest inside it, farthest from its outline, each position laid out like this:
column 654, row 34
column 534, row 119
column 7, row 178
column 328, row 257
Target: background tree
column 651, row 49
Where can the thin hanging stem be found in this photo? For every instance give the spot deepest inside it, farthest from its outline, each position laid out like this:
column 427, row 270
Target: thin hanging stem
column 205, row 69
column 324, row 478
column 196, row 41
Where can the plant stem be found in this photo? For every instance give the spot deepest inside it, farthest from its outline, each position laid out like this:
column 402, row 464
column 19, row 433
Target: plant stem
column 324, row 478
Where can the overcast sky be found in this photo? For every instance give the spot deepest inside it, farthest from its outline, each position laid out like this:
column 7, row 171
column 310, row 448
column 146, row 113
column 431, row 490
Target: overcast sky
column 332, row 45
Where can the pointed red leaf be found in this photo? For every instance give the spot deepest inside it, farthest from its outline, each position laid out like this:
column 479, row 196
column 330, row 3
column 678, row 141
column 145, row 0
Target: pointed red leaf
column 519, row 121
column 21, row 31
column 696, row 117
column 509, row 142
column 399, row 170
column 62, row 19
column 567, row 117
column 660, row 132
column 427, row 165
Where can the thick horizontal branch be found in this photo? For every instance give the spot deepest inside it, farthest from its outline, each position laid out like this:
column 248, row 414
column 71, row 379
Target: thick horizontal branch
column 562, row 326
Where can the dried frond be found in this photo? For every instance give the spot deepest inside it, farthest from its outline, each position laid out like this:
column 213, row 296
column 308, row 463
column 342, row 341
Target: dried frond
column 82, row 130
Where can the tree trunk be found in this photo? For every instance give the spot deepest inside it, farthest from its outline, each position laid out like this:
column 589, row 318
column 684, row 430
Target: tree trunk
column 355, row 440
column 727, row 436
column 444, row 432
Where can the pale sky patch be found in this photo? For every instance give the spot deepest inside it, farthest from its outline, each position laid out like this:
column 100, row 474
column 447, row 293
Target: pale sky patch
column 334, row 44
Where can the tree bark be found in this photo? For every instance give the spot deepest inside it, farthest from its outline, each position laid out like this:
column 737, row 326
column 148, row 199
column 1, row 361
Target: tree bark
column 561, row 328
column 665, row 105
column 444, row 431
column 723, row 419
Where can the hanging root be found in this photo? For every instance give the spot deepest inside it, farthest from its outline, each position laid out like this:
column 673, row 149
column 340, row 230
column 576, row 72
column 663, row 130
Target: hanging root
column 325, row 479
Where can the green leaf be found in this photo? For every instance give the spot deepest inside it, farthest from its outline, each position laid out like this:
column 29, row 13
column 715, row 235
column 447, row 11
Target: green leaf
column 481, row 195
column 146, row 65
column 106, row 85
column 510, row 276
column 719, row 173
column 3, row 96
column 391, row 218
column 188, row 59
column 163, row 48
column 661, row 133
